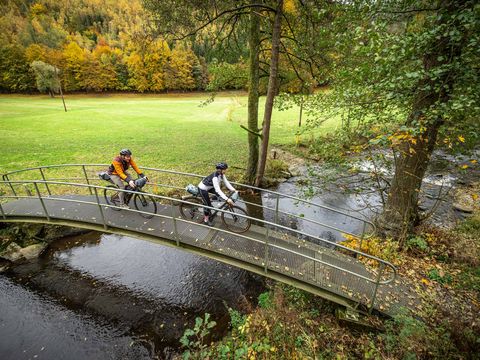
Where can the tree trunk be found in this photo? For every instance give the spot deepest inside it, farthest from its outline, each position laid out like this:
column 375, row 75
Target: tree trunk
column 254, row 64
column 401, row 211
column 271, row 92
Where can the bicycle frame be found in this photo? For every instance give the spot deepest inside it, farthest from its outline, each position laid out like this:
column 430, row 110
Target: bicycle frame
column 214, row 213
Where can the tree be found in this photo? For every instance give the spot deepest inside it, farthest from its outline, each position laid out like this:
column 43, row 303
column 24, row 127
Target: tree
column 189, row 18
column 46, row 77
column 413, row 67
column 451, row 41
column 271, row 92
column 16, row 74
column 253, row 95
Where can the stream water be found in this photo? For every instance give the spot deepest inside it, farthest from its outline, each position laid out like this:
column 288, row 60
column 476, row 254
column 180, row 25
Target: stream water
column 98, row 296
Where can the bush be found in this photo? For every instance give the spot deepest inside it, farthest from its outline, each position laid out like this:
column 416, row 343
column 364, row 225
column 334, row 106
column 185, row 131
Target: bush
column 439, row 276
column 277, row 169
column 417, row 244
column 265, row 300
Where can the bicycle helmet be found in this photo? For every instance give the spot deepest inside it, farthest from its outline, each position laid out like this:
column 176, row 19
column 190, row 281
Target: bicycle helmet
column 125, row 152
column 222, row 166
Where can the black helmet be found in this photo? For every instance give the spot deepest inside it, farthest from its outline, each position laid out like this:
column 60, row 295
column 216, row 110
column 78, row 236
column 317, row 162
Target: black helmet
column 222, row 166
column 125, row 152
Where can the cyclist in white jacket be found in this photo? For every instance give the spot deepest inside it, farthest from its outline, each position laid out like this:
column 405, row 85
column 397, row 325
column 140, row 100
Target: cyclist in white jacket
column 211, row 184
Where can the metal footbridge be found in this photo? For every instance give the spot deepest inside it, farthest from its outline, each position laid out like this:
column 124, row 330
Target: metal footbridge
column 274, row 246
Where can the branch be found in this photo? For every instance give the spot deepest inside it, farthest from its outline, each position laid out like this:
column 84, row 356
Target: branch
column 253, row 132
column 293, row 65
column 406, row 11
column 219, row 15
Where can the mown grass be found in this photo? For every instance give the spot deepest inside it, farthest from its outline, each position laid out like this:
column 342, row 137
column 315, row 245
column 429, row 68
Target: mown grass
column 164, row 131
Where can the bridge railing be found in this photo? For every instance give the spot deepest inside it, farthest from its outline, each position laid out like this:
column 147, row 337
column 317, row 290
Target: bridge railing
column 163, row 181
column 378, row 272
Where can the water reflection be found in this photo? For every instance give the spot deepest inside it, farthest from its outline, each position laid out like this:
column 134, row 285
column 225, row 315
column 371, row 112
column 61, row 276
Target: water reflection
column 33, row 326
column 126, row 286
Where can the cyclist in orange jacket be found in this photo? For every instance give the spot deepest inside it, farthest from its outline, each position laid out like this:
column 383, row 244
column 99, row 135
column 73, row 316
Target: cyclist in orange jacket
column 118, row 172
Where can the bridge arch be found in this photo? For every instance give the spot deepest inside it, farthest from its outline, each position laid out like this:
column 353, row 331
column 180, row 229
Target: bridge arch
column 298, row 258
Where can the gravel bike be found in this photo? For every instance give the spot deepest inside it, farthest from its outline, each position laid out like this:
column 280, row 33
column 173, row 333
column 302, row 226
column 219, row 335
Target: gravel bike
column 233, row 217
column 141, row 200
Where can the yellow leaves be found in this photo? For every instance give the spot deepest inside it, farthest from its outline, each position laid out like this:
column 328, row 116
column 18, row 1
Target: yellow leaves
column 475, row 197
column 38, row 9
column 402, row 137
column 289, row 7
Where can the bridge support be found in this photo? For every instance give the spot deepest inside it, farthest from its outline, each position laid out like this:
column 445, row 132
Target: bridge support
column 100, row 208
column 88, row 182
column 41, row 201
column 3, row 212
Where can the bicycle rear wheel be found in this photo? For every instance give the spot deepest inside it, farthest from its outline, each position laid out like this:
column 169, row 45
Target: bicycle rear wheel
column 145, row 203
column 234, row 221
column 112, row 196
column 192, row 212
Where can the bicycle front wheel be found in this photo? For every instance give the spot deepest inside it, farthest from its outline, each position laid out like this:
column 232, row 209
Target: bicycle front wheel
column 145, row 203
column 234, row 219
column 111, row 195
column 192, row 212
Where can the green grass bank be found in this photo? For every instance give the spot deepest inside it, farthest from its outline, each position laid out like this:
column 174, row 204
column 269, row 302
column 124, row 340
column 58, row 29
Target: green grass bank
column 164, row 131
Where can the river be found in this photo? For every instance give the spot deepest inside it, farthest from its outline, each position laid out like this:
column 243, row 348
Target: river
column 98, row 296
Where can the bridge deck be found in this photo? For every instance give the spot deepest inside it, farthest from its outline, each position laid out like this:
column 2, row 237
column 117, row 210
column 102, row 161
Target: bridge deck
column 295, row 266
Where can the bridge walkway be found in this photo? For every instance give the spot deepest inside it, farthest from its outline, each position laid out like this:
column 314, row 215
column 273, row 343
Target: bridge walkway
column 282, row 256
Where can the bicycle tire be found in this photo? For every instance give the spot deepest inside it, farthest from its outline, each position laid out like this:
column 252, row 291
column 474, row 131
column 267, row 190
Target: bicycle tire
column 111, row 195
column 145, row 203
column 235, row 223
column 192, row 212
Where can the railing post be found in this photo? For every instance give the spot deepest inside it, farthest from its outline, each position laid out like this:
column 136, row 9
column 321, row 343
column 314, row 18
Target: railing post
column 276, row 209
column 361, row 239
column 175, row 231
column 41, row 201
column 43, row 178
column 377, row 283
column 100, row 207
column 266, row 250
column 5, row 177
column 86, row 178
column 3, row 212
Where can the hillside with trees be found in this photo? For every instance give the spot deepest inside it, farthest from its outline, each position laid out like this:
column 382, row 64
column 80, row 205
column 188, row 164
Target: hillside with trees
column 97, row 45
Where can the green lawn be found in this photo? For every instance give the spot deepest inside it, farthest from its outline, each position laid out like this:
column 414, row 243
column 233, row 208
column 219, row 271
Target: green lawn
column 163, row 131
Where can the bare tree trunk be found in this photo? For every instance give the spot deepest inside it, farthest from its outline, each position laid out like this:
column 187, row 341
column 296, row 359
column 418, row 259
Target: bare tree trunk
column 271, row 91
column 254, row 64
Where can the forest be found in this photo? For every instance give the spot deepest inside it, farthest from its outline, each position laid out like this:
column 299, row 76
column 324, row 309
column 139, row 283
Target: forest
column 106, row 45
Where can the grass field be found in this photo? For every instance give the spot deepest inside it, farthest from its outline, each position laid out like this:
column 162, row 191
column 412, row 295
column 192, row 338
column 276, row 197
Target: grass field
column 163, row 131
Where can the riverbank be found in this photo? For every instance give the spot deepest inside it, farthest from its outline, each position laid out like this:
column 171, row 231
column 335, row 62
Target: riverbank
column 441, row 261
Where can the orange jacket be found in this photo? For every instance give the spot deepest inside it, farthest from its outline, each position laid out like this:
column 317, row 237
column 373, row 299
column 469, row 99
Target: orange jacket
column 119, row 166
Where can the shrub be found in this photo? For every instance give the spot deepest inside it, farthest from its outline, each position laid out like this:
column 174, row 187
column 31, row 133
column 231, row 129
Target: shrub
column 417, row 244
column 265, row 300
